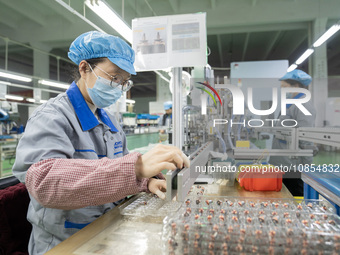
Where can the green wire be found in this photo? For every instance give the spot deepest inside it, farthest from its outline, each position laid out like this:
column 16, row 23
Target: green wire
column 209, row 95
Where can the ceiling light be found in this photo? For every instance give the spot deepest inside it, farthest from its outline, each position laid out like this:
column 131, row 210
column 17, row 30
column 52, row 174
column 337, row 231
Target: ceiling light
column 14, row 97
column 327, row 35
column 54, row 84
column 14, row 76
column 130, row 101
column 304, row 56
column 32, row 100
column 291, row 68
column 70, row 9
column 104, row 11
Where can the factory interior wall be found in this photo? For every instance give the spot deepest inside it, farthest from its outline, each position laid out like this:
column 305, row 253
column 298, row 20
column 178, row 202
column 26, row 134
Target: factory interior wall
column 23, row 111
column 333, row 93
column 142, row 104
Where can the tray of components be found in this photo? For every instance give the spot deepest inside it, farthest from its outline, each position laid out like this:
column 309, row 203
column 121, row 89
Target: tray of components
column 226, row 225
column 197, row 190
column 148, row 204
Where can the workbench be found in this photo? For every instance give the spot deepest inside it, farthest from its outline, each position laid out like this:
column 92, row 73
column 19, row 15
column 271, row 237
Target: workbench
column 114, row 233
column 7, row 156
column 134, row 141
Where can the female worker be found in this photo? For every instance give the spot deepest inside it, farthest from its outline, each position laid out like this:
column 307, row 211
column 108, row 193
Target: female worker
column 292, row 180
column 73, row 156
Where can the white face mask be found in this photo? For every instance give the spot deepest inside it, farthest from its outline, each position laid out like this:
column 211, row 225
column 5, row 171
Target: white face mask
column 103, row 94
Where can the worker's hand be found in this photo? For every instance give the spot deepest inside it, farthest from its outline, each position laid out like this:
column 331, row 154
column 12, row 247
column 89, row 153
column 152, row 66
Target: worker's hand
column 159, row 158
column 157, row 187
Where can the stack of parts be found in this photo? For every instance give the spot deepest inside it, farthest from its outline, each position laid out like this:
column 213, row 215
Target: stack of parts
column 225, row 225
column 197, row 190
column 149, row 205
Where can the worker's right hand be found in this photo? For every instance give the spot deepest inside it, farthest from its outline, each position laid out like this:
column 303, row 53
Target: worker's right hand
column 159, row 158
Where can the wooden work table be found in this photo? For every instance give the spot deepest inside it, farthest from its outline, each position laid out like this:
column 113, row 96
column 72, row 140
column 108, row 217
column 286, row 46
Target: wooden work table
column 114, row 233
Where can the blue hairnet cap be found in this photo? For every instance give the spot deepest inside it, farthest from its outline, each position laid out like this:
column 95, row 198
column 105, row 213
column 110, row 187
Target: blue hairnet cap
column 298, row 75
column 96, row 44
column 167, row 105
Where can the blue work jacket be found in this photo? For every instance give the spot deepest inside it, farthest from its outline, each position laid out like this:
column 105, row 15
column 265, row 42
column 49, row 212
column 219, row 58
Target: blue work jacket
column 65, row 127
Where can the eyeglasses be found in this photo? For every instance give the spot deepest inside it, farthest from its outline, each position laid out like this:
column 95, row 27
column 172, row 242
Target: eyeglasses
column 117, row 80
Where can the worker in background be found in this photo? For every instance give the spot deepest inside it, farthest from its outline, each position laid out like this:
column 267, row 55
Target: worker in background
column 292, row 180
column 165, row 122
column 73, row 156
column 166, row 119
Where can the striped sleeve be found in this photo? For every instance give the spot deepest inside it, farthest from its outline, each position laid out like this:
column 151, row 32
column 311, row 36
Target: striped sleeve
column 75, row 183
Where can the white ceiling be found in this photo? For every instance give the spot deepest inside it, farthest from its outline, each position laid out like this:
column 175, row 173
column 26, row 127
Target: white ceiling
column 238, row 30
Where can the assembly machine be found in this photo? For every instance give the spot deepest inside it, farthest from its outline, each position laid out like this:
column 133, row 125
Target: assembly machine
column 199, row 135
column 194, row 132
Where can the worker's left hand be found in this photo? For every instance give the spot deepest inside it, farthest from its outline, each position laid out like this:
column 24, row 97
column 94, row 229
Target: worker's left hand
column 157, row 187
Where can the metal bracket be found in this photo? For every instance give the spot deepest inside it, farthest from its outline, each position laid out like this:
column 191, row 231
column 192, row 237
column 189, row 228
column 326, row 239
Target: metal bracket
column 187, row 176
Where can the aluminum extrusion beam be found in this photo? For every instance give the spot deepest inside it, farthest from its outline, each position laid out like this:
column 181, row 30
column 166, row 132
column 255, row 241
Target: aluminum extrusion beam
column 177, row 105
column 255, row 154
column 327, row 136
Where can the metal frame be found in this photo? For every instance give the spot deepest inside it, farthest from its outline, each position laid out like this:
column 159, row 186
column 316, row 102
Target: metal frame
column 327, row 136
column 242, row 153
column 177, row 133
column 289, row 135
column 187, row 176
